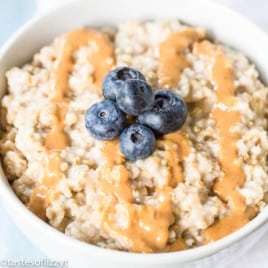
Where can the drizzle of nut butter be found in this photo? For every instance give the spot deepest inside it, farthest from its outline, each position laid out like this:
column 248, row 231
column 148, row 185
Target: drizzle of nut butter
column 226, row 118
column 57, row 140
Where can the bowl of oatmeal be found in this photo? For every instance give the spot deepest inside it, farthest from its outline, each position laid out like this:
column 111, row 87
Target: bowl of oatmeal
column 202, row 191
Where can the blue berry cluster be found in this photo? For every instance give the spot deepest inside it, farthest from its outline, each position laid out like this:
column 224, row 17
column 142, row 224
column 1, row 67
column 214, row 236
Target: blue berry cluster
column 126, row 92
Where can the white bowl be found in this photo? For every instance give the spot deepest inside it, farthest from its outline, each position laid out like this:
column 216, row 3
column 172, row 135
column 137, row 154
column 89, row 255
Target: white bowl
column 223, row 24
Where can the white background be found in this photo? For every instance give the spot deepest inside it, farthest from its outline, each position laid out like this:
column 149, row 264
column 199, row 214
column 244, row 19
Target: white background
column 13, row 244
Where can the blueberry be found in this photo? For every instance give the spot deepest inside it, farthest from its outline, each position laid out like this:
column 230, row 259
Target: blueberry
column 168, row 113
column 137, row 142
column 116, row 78
column 135, row 97
column 104, row 120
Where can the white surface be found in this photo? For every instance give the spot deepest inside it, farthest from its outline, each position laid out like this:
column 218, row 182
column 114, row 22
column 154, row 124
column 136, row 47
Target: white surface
column 14, row 245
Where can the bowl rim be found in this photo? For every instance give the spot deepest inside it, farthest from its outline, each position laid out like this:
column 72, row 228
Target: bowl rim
column 8, row 195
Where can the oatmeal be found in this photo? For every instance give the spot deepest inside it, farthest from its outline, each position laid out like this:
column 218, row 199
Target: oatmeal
column 200, row 184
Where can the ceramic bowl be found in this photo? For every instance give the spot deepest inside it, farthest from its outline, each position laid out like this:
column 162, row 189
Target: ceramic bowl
column 222, row 24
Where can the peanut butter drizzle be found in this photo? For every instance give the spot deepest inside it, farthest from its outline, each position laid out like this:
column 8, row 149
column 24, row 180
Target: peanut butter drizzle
column 233, row 175
column 176, row 148
column 147, row 226
column 178, row 245
column 43, row 192
column 112, row 153
column 102, row 58
column 115, row 175
column 171, row 56
column 229, row 224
